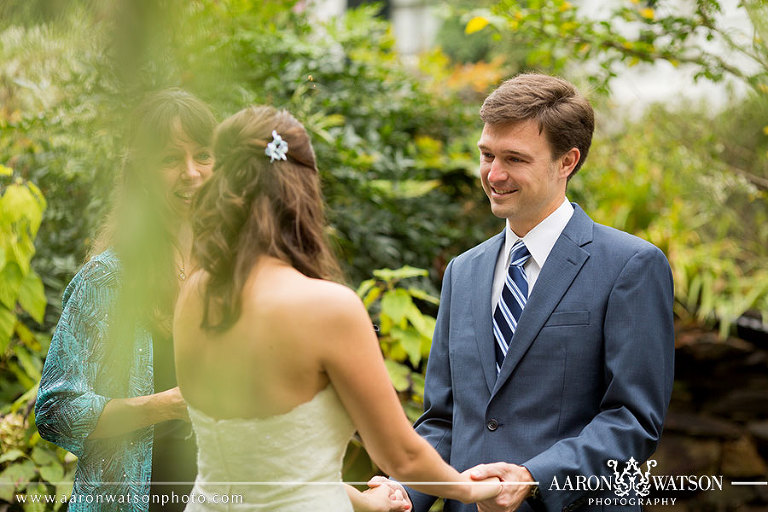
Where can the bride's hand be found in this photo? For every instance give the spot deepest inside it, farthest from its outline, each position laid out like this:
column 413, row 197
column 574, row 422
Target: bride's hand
column 482, row 490
column 384, row 495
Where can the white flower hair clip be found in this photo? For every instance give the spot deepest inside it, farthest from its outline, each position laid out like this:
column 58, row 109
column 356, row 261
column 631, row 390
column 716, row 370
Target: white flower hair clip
column 276, row 149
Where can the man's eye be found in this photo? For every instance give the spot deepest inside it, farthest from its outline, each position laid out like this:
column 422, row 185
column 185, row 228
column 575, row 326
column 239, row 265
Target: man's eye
column 487, row 156
column 203, row 156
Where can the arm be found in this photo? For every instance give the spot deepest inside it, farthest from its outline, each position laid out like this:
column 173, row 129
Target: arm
column 638, row 341
column 68, row 411
column 67, row 407
column 356, row 369
column 123, row 415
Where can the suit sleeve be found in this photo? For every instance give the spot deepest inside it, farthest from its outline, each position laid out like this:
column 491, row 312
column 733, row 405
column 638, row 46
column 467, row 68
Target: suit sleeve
column 67, row 407
column 639, row 359
column 435, row 425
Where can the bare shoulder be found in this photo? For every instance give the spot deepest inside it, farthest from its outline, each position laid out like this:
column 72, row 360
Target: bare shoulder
column 330, row 301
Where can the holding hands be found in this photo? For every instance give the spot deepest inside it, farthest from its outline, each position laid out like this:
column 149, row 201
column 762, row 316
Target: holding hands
column 511, row 495
column 385, row 495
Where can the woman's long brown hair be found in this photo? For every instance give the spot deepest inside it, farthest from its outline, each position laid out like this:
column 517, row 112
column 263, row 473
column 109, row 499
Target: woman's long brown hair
column 255, row 207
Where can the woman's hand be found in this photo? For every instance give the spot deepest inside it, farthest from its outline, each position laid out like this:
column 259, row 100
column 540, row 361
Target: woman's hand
column 481, row 489
column 171, row 405
column 383, row 496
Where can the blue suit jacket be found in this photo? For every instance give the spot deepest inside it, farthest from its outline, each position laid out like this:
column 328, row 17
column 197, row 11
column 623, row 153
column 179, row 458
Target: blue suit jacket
column 588, row 375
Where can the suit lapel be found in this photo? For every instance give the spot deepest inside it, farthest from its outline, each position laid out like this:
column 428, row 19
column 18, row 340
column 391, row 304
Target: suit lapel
column 561, row 268
column 482, row 269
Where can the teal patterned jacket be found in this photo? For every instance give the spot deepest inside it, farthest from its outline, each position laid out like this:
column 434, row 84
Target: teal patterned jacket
column 112, row 474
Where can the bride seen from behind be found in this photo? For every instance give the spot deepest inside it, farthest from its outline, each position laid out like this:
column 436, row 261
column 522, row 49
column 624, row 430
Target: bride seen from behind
column 278, row 362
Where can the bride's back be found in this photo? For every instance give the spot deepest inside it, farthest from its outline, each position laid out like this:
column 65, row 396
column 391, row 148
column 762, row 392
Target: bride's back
column 269, row 361
column 265, row 415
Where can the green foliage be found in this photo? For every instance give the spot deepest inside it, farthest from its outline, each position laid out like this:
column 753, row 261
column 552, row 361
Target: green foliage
column 405, row 333
column 52, row 135
column 26, row 463
column 659, row 179
column 558, row 33
column 21, row 289
column 405, row 336
column 31, row 466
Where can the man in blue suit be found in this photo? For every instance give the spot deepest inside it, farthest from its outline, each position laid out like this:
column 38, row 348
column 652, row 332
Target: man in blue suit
column 554, row 345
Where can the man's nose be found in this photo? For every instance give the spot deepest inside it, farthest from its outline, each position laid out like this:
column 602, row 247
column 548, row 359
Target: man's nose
column 497, row 172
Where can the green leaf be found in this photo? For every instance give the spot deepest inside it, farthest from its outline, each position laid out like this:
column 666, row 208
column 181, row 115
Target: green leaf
column 19, row 202
column 7, row 489
column 422, row 295
column 39, row 490
column 395, row 304
column 410, row 340
column 365, row 286
column 371, row 297
column 398, row 374
column 19, row 473
column 5, row 171
column 11, row 278
column 65, row 488
column 32, row 367
column 53, row 472
column 7, row 322
column 43, row 456
column 405, row 272
column 11, row 455
column 32, row 296
column 404, row 189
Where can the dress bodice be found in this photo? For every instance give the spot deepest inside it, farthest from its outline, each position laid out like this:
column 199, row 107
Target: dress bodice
column 281, row 463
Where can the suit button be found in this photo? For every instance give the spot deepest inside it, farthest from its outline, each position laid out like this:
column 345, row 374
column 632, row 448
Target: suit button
column 492, row 425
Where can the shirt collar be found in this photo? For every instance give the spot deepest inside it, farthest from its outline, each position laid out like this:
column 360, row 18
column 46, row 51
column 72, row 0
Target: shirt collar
column 543, row 236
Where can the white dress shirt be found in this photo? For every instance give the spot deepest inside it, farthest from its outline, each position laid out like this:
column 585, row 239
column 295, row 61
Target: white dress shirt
column 539, row 242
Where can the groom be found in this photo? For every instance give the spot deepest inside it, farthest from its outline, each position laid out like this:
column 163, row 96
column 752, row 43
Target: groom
column 553, row 350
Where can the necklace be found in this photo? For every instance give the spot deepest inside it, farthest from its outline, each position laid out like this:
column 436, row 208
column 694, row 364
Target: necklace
column 181, row 271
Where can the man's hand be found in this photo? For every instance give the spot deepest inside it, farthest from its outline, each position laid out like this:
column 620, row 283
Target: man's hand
column 397, row 497
column 511, row 496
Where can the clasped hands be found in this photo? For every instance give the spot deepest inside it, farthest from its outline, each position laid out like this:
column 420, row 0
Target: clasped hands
column 508, row 497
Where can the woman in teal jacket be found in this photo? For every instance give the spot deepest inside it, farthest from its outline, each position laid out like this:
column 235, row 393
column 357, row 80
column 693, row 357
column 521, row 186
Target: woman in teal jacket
column 108, row 391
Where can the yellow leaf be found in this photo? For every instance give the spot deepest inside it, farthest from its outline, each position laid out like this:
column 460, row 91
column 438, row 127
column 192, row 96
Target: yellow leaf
column 475, row 25
column 634, row 62
column 5, row 171
column 763, row 88
column 765, row 130
column 565, row 6
column 674, row 62
column 648, row 13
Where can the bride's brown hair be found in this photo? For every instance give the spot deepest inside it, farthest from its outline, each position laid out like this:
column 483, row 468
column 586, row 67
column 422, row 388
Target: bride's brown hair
column 253, row 207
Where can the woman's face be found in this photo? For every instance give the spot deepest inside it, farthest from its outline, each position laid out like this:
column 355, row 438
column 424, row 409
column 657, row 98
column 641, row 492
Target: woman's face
column 184, row 165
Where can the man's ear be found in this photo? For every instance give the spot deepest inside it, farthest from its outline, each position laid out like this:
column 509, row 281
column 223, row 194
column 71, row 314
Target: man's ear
column 568, row 162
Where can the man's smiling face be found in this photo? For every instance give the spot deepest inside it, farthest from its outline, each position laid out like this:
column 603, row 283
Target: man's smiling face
column 521, row 179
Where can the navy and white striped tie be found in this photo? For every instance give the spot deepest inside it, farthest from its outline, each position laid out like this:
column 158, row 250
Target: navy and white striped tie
column 514, row 295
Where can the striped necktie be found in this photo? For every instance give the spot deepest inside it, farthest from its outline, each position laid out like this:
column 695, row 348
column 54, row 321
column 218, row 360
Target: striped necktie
column 514, row 295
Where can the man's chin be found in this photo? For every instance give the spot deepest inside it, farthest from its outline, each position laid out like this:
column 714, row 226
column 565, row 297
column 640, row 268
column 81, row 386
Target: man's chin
column 502, row 211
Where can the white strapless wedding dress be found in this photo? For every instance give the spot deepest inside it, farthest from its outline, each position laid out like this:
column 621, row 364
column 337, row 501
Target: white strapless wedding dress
column 285, row 463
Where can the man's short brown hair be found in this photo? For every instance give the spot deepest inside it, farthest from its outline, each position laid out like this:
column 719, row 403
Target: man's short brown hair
column 564, row 115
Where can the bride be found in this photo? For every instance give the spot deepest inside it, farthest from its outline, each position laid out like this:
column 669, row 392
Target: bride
column 278, row 363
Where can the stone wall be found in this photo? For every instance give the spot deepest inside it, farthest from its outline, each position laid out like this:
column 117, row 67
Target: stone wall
column 717, row 422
